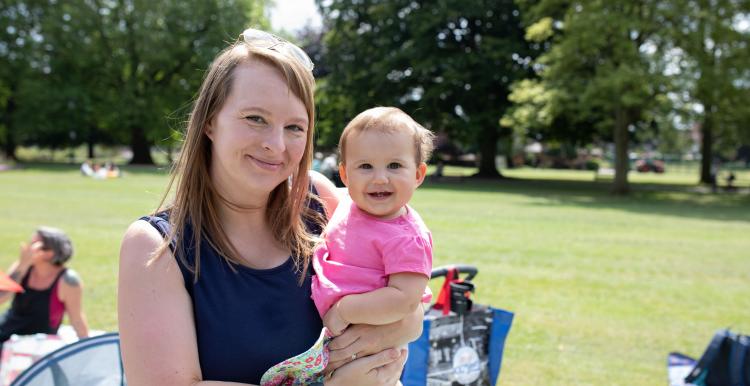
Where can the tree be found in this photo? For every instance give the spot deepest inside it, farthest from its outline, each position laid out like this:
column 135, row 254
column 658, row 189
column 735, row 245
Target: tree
column 111, row 70
column 19, row 34
column 714, row 71
column 599, row 72
column 143, row 59
column 449, row 64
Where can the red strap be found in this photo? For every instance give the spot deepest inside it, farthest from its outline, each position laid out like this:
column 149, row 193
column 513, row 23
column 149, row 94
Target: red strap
column 443, row 301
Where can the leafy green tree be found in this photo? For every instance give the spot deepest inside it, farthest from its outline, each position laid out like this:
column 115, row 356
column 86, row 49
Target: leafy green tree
column 118, row 71
column 20, row 27
column 599, row 72
column 714, row 52
column 447, row 63
column 142, row 60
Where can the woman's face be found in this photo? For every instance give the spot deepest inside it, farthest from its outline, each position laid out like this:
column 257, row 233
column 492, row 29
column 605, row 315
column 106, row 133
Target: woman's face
column 259, row 135
column 38, row 252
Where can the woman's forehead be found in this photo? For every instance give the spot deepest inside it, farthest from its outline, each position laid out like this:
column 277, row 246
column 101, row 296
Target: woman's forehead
column 257, row 84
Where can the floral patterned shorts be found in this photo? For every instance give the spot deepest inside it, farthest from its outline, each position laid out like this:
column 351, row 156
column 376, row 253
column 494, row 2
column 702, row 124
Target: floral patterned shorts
column 301, row 369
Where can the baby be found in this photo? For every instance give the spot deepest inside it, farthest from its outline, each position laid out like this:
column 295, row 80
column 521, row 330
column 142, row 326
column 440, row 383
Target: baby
column 376, row 260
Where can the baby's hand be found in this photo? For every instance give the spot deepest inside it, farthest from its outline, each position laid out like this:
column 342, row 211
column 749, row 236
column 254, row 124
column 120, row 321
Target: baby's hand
column 333, row 320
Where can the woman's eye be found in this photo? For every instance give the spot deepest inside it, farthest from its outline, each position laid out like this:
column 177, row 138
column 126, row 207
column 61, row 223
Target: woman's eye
column 394, row 165
column 295, row 128
column 365, row 166
column 255, row 119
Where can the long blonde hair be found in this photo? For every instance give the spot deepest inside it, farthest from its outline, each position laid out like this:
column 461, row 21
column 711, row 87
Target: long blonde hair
column 196, row 199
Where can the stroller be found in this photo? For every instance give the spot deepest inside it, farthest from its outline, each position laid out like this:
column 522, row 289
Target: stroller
column 462, row 342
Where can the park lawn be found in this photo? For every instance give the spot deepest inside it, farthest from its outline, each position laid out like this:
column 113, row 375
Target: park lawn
column 603, row 287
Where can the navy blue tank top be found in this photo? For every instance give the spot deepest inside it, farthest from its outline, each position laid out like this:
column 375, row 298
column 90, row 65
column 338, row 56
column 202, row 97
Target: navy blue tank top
column 246, row 320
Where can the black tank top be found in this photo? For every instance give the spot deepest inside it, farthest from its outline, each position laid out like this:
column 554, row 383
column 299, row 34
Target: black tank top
column 246, row 320
column 41, row 310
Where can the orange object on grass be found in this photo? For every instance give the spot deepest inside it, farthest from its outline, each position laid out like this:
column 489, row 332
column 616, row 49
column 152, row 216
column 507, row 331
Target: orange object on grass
column 8, row 284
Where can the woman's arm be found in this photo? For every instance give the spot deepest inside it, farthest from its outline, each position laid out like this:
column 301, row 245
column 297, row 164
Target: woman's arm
column 365, row 339
column 19, row 268
column 383, row 368
column 71, row 294
column 157, row 330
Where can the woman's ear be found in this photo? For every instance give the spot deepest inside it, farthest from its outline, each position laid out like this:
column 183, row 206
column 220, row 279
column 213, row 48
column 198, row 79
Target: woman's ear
column 209, row 131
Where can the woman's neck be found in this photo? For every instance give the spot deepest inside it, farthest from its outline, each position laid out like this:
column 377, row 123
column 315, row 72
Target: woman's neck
column 44, row 269
column 251, row 236
column 236, row 220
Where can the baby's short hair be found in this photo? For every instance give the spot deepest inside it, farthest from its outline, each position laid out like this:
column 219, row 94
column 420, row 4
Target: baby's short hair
column 389, row 120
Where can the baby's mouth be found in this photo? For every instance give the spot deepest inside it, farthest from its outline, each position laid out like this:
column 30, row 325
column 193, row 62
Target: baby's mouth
column 380, row 194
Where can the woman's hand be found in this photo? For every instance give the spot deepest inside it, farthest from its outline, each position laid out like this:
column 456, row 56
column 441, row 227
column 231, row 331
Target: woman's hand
column 26, row 252
column 360, row 340
column 381, row 369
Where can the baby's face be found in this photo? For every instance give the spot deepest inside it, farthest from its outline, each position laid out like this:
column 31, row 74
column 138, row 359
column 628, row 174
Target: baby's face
column 380, row 171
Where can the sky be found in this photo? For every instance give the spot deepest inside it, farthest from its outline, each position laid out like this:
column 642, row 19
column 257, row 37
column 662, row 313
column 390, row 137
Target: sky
column 292, row 15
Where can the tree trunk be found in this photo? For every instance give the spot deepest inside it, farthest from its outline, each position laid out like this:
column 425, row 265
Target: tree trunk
column 487, row 152
column 9, row 147
column 140, row 147
column 707, row 142
column 622, row 162
column 91, row 142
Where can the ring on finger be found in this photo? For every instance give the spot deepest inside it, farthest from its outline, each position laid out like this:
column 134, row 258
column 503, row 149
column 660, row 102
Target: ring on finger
column 354, row 356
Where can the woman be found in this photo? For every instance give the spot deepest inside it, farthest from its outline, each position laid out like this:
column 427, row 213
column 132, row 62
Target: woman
column 221, row 300
column 50, row 288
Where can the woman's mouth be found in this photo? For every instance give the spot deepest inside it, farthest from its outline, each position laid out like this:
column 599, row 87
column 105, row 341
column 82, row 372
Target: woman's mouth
column 266, row 164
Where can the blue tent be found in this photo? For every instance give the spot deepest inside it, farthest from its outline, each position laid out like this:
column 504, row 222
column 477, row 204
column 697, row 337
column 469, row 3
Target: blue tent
column 88, row 362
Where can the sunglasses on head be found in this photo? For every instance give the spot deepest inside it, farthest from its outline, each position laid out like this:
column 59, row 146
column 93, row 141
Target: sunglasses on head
column 255, row 37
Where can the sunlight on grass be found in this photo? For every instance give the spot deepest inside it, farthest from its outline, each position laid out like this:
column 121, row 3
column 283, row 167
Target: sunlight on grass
column 603, row 287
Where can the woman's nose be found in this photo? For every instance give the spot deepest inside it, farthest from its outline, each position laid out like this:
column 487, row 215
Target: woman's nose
column 274, row 140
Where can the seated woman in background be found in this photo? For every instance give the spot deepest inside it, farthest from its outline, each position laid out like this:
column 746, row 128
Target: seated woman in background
column 50, row 288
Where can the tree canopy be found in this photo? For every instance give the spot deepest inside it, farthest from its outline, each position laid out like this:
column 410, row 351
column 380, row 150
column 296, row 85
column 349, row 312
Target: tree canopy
column 100, row 70
column 449, row 64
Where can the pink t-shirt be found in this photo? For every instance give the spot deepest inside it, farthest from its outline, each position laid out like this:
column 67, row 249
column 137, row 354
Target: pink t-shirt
column 360, row 251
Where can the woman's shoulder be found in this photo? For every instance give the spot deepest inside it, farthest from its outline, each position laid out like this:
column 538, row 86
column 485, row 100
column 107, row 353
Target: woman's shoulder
column 159, row 221
column 141, row 240
column 70, row 278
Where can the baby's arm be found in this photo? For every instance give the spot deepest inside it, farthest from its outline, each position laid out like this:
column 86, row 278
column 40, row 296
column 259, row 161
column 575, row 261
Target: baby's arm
column 381, row 306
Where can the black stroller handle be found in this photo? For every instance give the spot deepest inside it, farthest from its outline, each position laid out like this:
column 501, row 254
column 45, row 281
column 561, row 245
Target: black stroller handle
column 443, row 271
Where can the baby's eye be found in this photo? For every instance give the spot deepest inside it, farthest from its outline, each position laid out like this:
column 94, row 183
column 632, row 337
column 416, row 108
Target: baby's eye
column 365, row 166
column 255, row 119
column 394, row 165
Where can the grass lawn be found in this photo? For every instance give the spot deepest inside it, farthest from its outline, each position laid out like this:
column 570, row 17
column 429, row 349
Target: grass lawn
column 603, row 287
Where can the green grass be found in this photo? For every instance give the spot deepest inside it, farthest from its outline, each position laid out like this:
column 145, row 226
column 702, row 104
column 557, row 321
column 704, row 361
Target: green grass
column 603, row 287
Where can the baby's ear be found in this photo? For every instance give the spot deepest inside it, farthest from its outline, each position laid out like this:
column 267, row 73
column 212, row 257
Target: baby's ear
column 421, row 172
column 342, row 174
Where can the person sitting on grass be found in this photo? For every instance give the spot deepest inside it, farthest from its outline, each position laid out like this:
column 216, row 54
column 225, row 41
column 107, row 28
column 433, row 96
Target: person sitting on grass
column 50, row 289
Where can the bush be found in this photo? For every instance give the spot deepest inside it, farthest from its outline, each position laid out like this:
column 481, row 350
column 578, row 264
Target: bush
column 592, row 165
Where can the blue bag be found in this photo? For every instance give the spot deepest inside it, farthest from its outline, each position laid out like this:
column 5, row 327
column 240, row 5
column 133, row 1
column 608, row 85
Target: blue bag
column 462, row 343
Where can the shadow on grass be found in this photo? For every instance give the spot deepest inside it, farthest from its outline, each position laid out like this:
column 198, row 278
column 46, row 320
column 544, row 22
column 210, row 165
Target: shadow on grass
column 667, row 200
